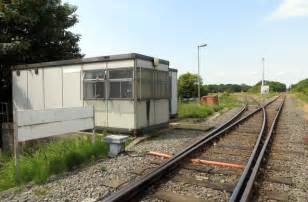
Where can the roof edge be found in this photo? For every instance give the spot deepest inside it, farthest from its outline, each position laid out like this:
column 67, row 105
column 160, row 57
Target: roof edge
column 88, row 60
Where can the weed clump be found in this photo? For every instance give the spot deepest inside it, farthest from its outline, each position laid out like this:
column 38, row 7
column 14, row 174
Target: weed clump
column 195, row 110
column 51, row 159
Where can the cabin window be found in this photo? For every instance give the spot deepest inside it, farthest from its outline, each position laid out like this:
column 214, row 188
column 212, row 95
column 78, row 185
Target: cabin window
column 152, row 84
column 161, row 84
column 94, row 84
column 145, row 78
column 120, row 83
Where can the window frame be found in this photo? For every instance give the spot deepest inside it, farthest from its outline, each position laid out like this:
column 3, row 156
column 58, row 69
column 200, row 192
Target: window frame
column 120, row 80
column 94, row 81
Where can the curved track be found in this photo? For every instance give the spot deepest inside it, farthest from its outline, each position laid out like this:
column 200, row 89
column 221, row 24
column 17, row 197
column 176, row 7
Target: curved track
column 226, row 159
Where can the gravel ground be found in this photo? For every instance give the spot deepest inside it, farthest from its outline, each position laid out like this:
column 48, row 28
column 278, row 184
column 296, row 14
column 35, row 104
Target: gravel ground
column 100, row 179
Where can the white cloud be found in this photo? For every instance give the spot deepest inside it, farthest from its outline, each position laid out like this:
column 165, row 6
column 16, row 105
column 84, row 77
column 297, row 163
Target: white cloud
column 290, row 8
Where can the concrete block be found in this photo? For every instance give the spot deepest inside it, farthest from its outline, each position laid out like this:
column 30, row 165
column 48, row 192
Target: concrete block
column 116, row 144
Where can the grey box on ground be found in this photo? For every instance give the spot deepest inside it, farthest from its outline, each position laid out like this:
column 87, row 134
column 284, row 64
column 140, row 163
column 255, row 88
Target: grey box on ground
column 116, row 144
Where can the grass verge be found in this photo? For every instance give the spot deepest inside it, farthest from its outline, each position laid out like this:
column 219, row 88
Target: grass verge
column 51, row 159
column 303, row 97
column 195, row 110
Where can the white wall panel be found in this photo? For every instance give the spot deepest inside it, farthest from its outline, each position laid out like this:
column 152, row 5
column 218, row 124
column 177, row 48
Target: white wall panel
column 120, row 64
column 161, row 111
column 20, row 90
column 72, row 86
column 45, row 123
column 35, row 89
column 162, row 67
column 94, row 66
column 121, row 114
column 141, row 116
column 53, row 87
column 145, row 64
column 100, row 107
column 174, row 93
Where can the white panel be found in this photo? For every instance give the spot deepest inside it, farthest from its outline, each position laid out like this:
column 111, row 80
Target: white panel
column 52, row 129
column 145, row 64
column 94, row 66
column 152, row 113
column 162, row 67
column 120, row 64
column 161, row 111
column 121, row 114
column 100, row 107
column 72, row 86
column 174, row 94
column 20, row 94
column 35, row 89
column 31, row 117
column 141, row 114
column 44, row 123
column 53, row 87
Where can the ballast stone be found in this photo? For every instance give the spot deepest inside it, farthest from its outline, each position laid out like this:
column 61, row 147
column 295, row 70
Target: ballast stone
column 116, row 144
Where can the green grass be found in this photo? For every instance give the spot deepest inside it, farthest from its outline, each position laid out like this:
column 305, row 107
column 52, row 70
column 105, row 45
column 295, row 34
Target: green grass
column 302, row 96
column 51, row 159
column 195, row 110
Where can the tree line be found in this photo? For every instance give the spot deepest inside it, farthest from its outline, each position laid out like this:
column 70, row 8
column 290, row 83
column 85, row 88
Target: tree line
column 188, row 87
column 300, row 87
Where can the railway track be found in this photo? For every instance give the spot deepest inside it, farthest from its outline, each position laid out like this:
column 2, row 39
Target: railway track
column 224, row 163
column 275, row 176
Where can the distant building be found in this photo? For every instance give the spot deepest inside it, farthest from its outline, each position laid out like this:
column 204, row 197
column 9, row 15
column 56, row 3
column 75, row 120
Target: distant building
column 129, row 91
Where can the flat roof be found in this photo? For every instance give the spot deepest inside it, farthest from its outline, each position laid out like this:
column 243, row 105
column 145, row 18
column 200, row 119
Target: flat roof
column 88, row 60
column 173, row 70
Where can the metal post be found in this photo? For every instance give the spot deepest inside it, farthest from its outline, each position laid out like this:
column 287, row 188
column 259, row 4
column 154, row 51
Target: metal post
column 94, row 129
column 199, row 93
column 263, row 71
column 199, row 74
column 16, row 147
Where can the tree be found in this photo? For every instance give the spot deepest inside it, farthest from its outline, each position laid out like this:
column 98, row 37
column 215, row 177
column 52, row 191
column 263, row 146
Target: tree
column 274, row 86
column 188, row 86
column 35, row 31
column 230, row 88
column 301, row 87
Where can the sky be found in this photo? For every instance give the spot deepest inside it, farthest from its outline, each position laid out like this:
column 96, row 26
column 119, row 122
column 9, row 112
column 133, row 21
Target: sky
column 238, row 33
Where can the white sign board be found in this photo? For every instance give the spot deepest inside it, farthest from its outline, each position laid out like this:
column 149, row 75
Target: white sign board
column 264, row 90
column 35, row 124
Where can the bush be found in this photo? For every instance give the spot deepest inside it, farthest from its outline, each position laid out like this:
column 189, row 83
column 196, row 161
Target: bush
column 52, row 159
column 195, row 110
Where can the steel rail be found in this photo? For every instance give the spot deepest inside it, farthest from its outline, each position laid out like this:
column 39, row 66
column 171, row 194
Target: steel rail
column 133, row 189
column 248, row 189
column 244, row 186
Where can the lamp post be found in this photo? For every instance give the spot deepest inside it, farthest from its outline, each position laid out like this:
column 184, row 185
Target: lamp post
column 199, row 46
column 263, row 61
